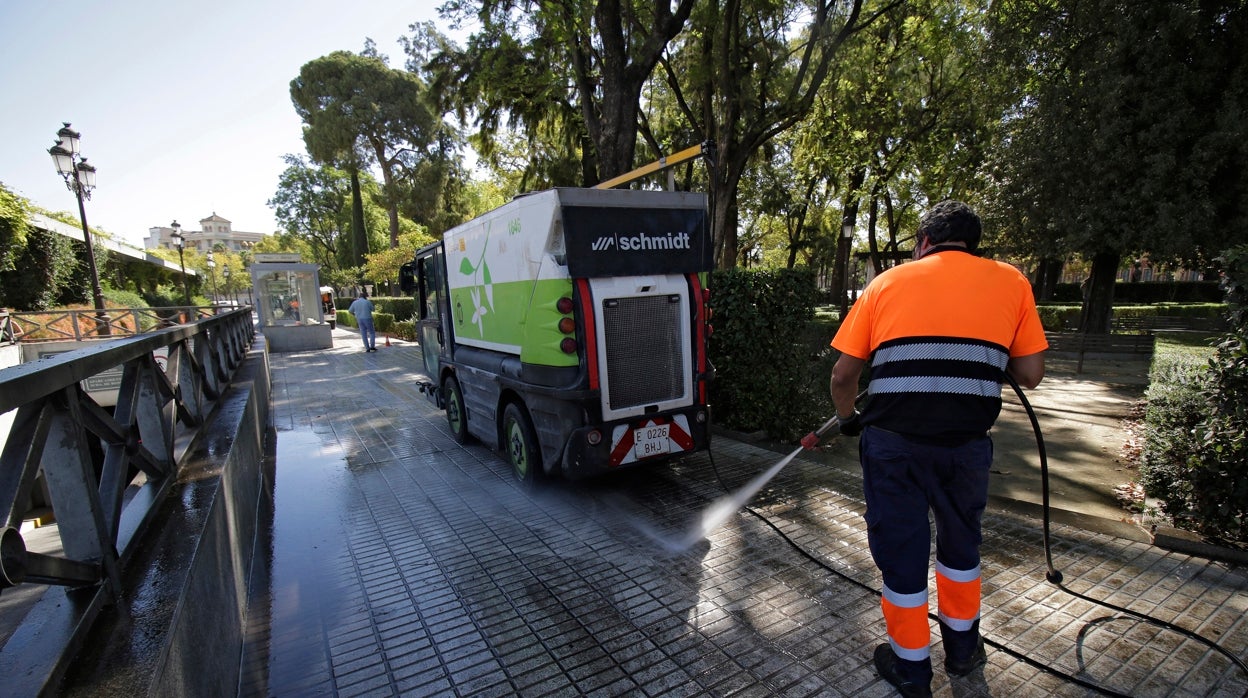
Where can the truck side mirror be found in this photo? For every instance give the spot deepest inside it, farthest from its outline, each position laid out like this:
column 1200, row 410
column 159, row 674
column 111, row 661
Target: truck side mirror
column 407, row 278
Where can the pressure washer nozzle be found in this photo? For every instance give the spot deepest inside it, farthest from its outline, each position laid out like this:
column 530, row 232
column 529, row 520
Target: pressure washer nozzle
column 811, row 440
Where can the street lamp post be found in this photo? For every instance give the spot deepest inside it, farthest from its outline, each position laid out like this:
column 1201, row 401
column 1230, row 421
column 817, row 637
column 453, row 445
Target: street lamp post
column 212, row 275
column 847, row 248
column 225, row 272
column 80, row 178
column 180, row 243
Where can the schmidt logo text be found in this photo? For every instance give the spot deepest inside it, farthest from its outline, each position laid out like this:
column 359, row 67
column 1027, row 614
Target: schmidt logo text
column 642, row 241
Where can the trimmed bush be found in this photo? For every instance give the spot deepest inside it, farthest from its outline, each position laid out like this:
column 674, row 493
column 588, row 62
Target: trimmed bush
column 383, row 322
column 1199, row 311
column 762, row 352
column 405, row 329
column 1175, row 407
column 129, row 299
column 1057, row 318
column 1148, row 292
column 400, row 307
column 1195, row 458
column 1218, row 468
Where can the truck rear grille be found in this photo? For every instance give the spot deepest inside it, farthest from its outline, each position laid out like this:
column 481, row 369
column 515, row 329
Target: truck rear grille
column 645, row 352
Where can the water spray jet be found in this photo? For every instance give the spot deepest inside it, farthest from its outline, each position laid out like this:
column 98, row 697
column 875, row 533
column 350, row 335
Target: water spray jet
column 725, row 507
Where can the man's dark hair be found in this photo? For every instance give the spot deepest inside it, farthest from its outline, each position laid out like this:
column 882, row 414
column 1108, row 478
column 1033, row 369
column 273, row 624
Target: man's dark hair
column 363, row 294
column 951, row 221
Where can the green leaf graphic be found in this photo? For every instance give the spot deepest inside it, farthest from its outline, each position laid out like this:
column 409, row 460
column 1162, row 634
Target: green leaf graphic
column 466, row 268
column 485, row 272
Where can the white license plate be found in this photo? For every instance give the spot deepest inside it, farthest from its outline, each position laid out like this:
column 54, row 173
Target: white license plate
column 650, row 441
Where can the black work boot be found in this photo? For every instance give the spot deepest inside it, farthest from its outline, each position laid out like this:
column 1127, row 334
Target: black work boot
column 964, row 649
column 978, row 658
column 887, row 664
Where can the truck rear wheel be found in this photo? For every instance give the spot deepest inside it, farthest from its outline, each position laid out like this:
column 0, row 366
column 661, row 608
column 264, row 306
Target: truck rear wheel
column 456, row 416
column 520, row 444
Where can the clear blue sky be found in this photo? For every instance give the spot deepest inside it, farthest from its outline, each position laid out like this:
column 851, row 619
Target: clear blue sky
column 184, row 108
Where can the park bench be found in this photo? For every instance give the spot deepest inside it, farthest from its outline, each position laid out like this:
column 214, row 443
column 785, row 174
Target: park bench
column 1081, row 345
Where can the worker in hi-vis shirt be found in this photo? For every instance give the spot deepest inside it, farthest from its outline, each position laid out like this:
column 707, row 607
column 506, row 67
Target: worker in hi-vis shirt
column 940, row 334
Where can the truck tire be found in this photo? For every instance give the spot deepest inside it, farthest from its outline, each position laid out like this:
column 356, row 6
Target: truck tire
column 456, row 415
column 520, row 444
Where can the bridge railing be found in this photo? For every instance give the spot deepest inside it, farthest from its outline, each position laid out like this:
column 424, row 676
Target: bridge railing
column 106, row 471
column 80, row 324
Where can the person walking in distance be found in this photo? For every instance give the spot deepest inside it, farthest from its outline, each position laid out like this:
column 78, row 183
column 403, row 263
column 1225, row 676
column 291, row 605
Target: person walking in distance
column 362, row 309
column 940, row 333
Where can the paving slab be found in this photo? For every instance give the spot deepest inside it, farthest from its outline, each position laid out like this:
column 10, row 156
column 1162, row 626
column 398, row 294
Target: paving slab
column 402, row 563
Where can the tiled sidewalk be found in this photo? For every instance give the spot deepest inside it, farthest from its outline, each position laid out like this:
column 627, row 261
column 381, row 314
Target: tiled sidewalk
column 405, row 564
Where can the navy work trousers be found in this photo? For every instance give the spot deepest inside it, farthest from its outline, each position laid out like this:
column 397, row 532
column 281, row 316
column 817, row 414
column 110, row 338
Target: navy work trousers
column 903, row 480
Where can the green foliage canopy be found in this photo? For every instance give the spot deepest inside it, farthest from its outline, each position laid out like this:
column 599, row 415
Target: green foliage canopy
column 1128, row 135
column 14, row 226
column 573, row 68
column 357, row 110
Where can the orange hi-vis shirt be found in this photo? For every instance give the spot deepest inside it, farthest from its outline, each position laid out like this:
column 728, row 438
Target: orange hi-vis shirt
column 939, row 332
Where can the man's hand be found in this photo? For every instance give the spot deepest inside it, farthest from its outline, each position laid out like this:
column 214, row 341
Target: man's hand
column 850, row 426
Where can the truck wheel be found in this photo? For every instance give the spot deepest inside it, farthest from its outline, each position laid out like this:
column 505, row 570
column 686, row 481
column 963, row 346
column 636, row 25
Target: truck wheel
column 456, row 416
column 520, row 444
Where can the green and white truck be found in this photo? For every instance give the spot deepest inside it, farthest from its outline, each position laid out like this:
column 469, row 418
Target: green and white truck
column 568, row 327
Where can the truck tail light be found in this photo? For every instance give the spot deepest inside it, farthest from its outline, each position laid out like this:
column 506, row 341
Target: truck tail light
column 567, row 325
column 568, row 345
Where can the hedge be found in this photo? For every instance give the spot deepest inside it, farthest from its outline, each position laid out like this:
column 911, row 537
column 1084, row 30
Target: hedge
column 382, row 322
column 405, row 329
column 1147, row 292
column 1058, row 317
column 401, row 307
column 1195, row 455
column 761, row 348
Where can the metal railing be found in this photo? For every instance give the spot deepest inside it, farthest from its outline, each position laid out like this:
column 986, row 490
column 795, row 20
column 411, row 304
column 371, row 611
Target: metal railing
column 110, row 323
column 105, row 472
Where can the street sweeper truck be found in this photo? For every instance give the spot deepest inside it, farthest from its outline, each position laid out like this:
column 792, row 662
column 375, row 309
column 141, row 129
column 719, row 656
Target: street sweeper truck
column 567, row 328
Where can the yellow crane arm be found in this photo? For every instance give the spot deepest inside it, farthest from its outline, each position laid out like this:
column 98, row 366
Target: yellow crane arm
column 656, row 166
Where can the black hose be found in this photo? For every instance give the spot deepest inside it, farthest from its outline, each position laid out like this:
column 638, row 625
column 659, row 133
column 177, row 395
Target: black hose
column 1053, row 575
column 1071, row 678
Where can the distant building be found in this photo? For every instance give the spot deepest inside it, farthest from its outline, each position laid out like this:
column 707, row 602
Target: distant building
column 214, row 230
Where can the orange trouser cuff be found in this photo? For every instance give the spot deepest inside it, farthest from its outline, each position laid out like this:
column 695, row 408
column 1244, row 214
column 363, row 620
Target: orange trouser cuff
column 905, row 616
column 958, row 594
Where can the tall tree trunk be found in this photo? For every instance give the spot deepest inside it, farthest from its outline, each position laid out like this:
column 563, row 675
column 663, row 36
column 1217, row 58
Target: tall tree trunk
column 724, row 225
column 1098, row 302
column 1047, row 274
column 725, row 175
column 844, row 244
column 359, row 237
column 392, row 201
column 840, row 278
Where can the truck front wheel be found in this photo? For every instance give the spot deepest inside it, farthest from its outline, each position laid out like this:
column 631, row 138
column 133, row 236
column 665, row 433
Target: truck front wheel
column 456, row 417
column 520, row 444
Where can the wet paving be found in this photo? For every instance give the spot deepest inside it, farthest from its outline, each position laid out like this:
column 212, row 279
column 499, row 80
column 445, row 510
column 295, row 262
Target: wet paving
column 402, row 563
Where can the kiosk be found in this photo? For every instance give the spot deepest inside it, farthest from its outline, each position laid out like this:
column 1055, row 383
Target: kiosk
column 288, row 303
